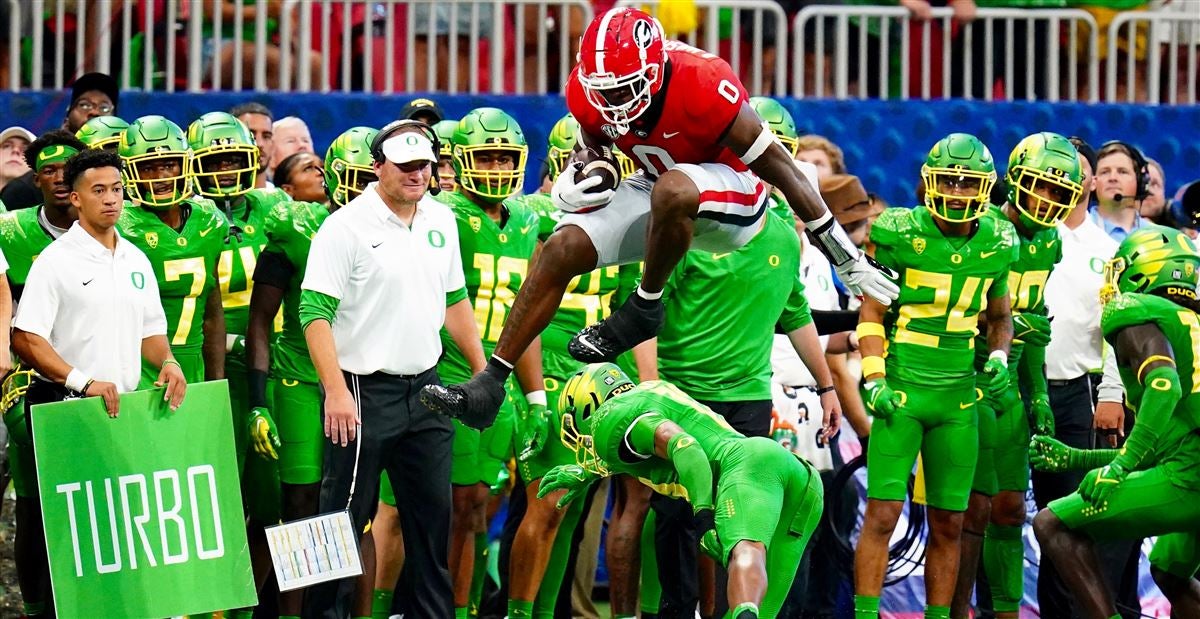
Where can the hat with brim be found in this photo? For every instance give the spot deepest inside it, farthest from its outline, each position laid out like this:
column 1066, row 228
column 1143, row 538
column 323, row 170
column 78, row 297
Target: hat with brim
column 17, row 132
column 101, row 82
column 417, row 107
column 408, row 147
column 847, row 199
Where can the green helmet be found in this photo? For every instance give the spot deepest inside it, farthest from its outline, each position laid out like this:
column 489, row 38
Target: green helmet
column 445, row 133
column 959, row 159
column 1050, row 160
column 488, row 129
column 153, row 139
column 349, row 167
column 224, row 155
column 581, row 397
column 1150, row 258
column 779, row 119
column 563, row 138
column 102, row 132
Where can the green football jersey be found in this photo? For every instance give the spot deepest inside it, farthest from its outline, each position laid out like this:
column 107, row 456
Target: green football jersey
column 721, row 312
column 184, row 261
column 614, row 418
column 945, row 283
column 22, row 238
column 290, row 227
column 236, row 268
column 1179, row 446
column 495, row 261
column 778, row 204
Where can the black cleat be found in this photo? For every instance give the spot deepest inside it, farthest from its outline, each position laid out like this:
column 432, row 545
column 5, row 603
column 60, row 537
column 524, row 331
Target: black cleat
column 633, row 323
column 475, row 403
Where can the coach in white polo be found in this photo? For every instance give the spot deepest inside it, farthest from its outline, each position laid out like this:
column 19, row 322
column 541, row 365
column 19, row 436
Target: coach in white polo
column 90, row 311
column 383, row 277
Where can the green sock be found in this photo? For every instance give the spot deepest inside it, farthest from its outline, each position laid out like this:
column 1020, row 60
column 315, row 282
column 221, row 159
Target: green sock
column 745, row 610
column 381, row 604
column 866, row 606
column 462, row 613
column 937, row 612
column 480, row 572
column 1004, row 564
column 289, row 616
column 520, row 609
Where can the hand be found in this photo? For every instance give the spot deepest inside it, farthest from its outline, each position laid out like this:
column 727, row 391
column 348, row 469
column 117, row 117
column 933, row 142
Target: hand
column 1049, row 455
column 1109, row 422
column 1043, row 415
column 1099, row 483
column 108, row 391
column 831, row 416
column 570, row 477
column 571, row 197
column 501, row 483
column 865, row 276
column 711, row 545
column 341, row 417
column 997, row 373
column 535, row 430
column 172, row 376
column 1033, row 329
column 920, row 9
column 263, row 433
column 882, row 401
column 964, row 10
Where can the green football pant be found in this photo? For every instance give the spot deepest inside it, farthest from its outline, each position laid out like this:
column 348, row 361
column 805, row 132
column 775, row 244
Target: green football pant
column 261, row 492
column 296, row 408
column 985, row 468
column 554, row 452
column 942, row 425
column 651, row 591
column 191, row 363
column 768, row 495
column 1146, row 504
column 480, row 456
column 21, row 465
column 1177, row 554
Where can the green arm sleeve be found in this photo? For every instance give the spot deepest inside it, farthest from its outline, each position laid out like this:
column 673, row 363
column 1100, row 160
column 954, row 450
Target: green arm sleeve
column 1154, row 413
column 451, row 298
column 1088, row 459
column 314, row 305
column 796, row 313
column 695, row 473
column 1031, row 370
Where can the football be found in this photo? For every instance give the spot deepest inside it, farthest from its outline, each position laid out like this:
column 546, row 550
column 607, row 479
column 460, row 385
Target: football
column 601, row 163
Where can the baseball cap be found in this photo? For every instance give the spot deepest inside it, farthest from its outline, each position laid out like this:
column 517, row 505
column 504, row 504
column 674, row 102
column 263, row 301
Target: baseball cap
column 102, row 82
column 846, row 198
column 408, row 146
column 17, row 132
column 1185, row 207
column 422, row 106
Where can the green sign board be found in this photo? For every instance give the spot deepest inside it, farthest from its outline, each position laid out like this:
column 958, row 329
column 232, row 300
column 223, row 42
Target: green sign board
column 143, row 513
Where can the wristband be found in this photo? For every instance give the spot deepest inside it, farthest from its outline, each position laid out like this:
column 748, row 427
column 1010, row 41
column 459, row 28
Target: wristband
column 87, row 386
column 873, row 365
column 1001, row 355
column 824, row 390
column 536, row 398
column 867, row 329
column 76, row 380
column 171, row 362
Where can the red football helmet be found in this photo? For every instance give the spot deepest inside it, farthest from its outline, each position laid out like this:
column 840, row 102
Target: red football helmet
column 621, row 62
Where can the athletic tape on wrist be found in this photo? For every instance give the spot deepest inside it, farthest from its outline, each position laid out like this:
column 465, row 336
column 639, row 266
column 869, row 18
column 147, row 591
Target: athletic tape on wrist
column 1001, row 355
column 536, row 398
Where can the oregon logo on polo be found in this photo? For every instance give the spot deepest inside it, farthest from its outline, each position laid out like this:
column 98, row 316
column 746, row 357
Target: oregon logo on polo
column 139, row 280
column 436, row 238
column 142, row 521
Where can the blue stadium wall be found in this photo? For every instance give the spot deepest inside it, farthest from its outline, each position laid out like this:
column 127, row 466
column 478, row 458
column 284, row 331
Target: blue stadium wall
column 884, row 141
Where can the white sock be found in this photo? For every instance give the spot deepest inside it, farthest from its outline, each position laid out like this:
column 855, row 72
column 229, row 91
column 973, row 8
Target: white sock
column 649, row 296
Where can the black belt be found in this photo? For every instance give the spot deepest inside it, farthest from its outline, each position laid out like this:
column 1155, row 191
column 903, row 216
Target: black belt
column 1070, row 381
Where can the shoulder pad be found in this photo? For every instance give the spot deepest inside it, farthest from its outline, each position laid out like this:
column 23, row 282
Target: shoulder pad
column 1132, row 308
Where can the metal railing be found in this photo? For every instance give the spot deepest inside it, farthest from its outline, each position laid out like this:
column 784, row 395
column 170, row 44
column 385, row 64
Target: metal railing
column 1173, row 34
column 877, row 35
column 750, row 55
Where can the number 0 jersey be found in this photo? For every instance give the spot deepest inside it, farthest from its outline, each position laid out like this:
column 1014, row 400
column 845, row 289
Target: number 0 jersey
column 495, row 260
column 945, row 283
column 184, row 261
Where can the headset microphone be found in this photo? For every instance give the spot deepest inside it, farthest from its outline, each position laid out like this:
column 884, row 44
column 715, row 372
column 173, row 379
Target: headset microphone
column 1118, row 197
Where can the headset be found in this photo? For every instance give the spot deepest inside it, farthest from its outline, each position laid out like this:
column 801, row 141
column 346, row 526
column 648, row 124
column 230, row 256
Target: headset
column 396, row 126
column 1140, row 165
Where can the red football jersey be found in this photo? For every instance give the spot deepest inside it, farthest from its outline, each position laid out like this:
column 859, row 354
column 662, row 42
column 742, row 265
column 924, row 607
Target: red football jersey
column 702, row 97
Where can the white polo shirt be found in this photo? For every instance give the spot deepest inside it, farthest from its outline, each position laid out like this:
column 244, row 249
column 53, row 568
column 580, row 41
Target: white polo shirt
column 1073, row 299
column 93, row 305
column 392, row 281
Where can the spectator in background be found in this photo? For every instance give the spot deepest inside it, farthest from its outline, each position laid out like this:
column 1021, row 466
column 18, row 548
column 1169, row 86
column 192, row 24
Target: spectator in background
column 1185, row 209
column 821, row 152
column 424, row 110
column 1154, row 205
column 436, row 42
column 221, row 48
column 302, row 177
column 1118, row 190
column 258, row 119
column 92, row 95
column 13, row 142
column 291, row 137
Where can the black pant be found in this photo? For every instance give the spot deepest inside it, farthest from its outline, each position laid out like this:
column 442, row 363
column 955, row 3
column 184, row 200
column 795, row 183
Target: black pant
column 414, row 445
column 1073, row 402
column 676, row 536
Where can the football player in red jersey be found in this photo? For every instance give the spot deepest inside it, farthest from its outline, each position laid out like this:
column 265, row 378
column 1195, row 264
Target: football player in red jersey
column 684, row 118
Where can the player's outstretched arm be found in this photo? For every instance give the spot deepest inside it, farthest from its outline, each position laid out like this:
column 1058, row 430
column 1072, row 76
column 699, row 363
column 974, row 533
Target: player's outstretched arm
column 1145, row 349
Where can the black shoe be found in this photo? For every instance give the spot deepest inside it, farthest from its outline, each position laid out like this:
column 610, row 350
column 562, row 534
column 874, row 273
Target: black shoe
column 633, row 323
column 475, row 403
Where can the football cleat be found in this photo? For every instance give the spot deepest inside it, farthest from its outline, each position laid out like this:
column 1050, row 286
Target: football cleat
column 633, row 323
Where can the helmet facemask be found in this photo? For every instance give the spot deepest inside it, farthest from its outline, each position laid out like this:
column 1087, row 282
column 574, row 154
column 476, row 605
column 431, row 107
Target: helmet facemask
column 225, row 170
column 966, row 205
column 492, row 184
column 1043, row 210
column 622, row 99
column 157, row 188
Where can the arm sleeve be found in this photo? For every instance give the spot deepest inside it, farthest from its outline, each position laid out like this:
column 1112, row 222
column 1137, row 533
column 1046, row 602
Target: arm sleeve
column 330, row 261
column 796, row 313
column 274, row 269
column 1088, row 459
column 39, row 301
column 1032, row 370
column 314, row 305
column 454, row 296
column 1161, row 395
column 695, row 473
column 1111, row 389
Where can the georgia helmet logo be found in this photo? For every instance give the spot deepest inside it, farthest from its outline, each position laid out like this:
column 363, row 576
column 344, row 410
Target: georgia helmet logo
column 643, row 34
